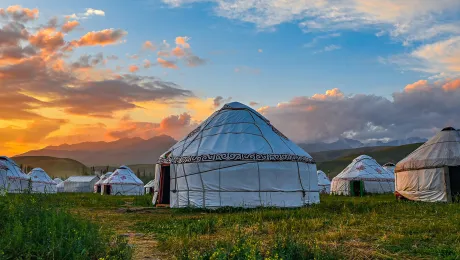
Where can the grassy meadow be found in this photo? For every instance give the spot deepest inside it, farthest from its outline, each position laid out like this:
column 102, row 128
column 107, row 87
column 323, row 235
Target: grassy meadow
column 66, row 226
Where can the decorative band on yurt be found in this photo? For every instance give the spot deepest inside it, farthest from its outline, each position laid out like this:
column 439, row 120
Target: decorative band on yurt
column 237, row 157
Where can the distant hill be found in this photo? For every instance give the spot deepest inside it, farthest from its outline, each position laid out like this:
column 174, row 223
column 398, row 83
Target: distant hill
column 124, row 151
column 55, row 167
column 333, row 166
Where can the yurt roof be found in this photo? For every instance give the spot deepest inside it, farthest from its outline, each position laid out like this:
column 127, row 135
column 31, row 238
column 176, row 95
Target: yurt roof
column 235, row 132
column 57, row 180
column 81, row 178
column 123, row 175
column 322, row 178
column 150, row 184
column 441, row 150
column 364, row 167
column 103, row 178
column 61, row 184
column 12, row 169
column 39, row 175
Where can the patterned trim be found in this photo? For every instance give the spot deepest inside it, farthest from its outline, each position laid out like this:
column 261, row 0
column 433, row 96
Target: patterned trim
column 237, row 157
column 194, row 132
column 367, row 179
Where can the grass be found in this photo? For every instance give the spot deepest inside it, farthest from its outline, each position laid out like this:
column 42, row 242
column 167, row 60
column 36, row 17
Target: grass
column 372, row 227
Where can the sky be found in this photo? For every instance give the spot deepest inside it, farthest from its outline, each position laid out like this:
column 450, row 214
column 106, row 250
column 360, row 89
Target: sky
column 317, row 69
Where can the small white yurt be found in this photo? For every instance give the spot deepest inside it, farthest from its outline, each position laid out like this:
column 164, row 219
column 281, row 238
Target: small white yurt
column 80, row 183
column 390, row 167
column 324, row 183
column 57, row 180
column 41, row 182
column 236, row 158
column 123, row 181
column 149, row 187
column 12, row 179
column 60, row 186
column 98, row 185
column 363, row 175
column 431, row 172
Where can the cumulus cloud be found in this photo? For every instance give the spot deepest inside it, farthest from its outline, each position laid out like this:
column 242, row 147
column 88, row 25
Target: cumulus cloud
column 148, row 45
column 166, row 64
column 133, row 68
column 147, row 64
column 220, row 101
column 102, row 38
column 253, row 103
column 421, row 109
column 182, row 41
column 18, row 13
column 88, row 61
column 88, row 12
column 69, row 26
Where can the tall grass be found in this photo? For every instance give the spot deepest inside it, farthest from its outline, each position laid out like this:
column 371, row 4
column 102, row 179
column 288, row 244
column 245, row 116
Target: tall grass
column 31, row 227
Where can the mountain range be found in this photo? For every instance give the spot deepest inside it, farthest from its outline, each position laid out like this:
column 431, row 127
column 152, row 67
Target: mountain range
column 140, row 151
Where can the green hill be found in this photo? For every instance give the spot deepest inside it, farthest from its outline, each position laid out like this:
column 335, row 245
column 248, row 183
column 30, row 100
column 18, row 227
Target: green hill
column 55, row 167
column 381, row 154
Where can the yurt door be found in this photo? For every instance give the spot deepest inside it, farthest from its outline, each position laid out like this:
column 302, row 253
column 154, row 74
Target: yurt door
column 165, row 183
column 356, row 188
column 454, row 178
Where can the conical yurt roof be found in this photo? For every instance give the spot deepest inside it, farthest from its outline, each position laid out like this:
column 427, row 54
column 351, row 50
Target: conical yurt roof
column 39, row 175
column 57, row 180
column 12, row 169
column 235, row 132
column 150, row 184
column 441, row 150
column 389, row 167
column 103, row 178
column 322, row 178
column 123, row 175
column 364, row 167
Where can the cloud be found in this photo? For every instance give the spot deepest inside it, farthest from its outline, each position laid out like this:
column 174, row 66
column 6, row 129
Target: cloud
column 102, row 38
column 163, row 54
column 166, row 64
column 415, row 111
column 178, row 52
column 148, row 45
column 318, row 39
column 112, row 57
column 194, row 61
column 147, row 64
column 69, row 26
column 253, row 103
column 183, row 41
column 133, row 68
column 18, row 13
column 88, row 13
column 220, row 101
column 88, row 61
column 47, row 39
column 260, row 50
column 331, row 47
column 133, row 57
column 91, row 11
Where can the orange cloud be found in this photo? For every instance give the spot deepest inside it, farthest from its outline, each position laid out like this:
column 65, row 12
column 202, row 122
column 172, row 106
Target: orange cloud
column 419, row 85
column 104, row 37
column 166, row 64
column 452, row 85
column 47, row 39
column 178, row 52
column 19, row 13
column 163, row 54
column 148, row 45
column 69, row 26
column 183, row 41
column 147, row 64
column 332, row 93
column 133, row 68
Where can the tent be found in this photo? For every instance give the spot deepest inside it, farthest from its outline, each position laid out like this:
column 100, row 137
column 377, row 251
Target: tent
column 80, row 183
column 98, row 185
column 41, row 182
column 60, row 186
column 431, row 172
column 390, row 167
column 57, row 180
column 323, row 182
column 12, row 179
column 236, row 157
column 363, row 175
column 149, row 187
column 123, row 181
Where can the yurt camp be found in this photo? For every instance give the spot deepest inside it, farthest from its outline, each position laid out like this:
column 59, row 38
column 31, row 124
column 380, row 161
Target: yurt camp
column 149, row 187
column 123, row 181
column 41, row 182
column 431, row 172
column 60, row 186
column 57, row 180
column 390, row 167
column 237, row 158
column 363, row 176
column 80, row 183
column 324, row 183
column 12, row 179
column 98, row 185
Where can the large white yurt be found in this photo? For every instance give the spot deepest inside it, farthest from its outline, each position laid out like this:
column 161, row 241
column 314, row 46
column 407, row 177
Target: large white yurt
column 57, row 180
column 390, row 167
column 235, row 158
column 363, row 176
column 149, row 187
column 98, row 185
column 12, row 179
column 41, row 182
column 80, row 183
column 324, row 183
column 431, row 172
column 123, row 181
